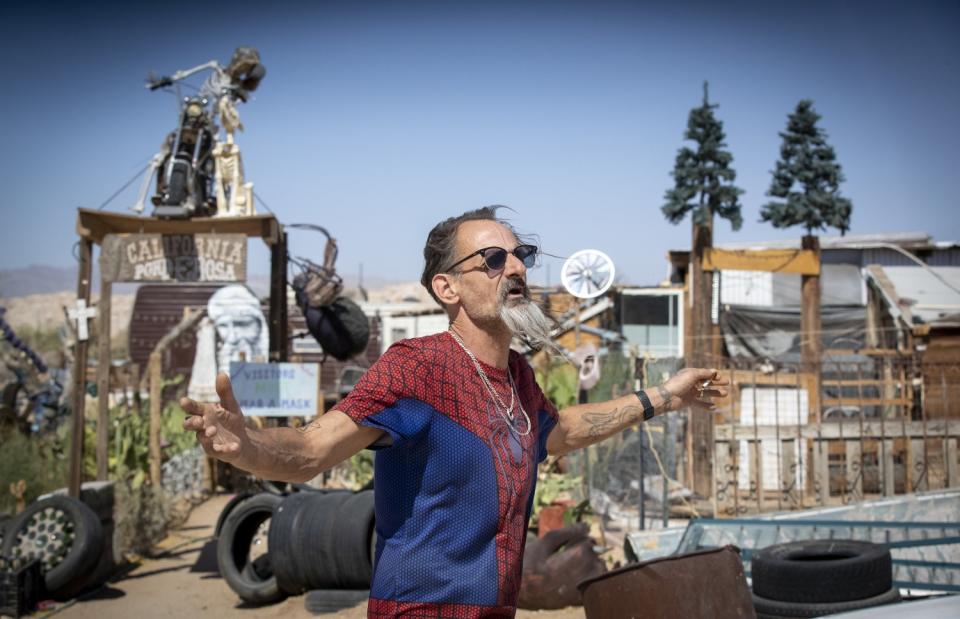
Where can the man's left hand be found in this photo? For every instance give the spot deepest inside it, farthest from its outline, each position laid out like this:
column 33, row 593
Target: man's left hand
column 692, row 387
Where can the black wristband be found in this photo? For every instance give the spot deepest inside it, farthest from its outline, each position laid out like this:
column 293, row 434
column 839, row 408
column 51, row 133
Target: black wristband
column 648, row 411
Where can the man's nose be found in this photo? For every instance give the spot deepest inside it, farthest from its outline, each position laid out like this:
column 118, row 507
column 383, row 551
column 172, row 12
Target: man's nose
column 514, row 266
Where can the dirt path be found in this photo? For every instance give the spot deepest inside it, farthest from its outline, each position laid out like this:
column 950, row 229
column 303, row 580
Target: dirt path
column 184, row 582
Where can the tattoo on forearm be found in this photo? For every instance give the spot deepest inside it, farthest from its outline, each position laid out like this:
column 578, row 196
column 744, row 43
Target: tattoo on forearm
column 667, row 398
column 603, row 423
column 310, row 427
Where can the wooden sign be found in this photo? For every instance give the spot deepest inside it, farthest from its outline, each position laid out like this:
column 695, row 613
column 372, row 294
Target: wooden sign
column 276, row 389
column 803, row 261
column 174, row 258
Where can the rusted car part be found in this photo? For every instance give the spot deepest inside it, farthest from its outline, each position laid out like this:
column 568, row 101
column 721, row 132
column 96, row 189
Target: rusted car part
column 553, row 566
column 709, row 583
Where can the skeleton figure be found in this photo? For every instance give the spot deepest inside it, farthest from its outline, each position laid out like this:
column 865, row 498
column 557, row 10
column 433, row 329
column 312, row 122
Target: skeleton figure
column 234, row 196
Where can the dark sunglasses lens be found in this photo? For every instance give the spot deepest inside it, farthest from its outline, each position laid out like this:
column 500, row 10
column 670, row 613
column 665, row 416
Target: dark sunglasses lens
column 495, row 258
column 527, row 254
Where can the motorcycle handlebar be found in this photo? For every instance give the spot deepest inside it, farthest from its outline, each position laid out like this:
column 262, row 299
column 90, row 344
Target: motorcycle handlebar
column 160, row 83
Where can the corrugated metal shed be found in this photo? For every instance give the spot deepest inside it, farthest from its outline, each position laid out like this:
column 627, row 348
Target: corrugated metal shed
column 157, row 309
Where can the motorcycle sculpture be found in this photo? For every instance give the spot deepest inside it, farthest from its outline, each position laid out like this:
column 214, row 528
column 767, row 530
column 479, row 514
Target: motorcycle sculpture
column 198, row 174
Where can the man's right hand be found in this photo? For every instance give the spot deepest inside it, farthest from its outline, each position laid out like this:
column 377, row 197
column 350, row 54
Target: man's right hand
column 219, row 426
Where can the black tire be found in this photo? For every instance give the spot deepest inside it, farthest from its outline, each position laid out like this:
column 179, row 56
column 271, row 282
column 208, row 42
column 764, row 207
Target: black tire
column 177, row 185
column 822, row 571
column 231, row 504
column 352, row 541
column 776, row 609
column 319, row 601
column 63, row 533
column 287, row 519
column 253, row 580
column 319, row 548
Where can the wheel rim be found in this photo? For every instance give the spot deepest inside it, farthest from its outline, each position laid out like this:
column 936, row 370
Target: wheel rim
column 47, row 535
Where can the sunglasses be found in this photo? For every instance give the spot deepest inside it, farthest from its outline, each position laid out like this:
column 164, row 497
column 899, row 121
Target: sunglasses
column 495, row 258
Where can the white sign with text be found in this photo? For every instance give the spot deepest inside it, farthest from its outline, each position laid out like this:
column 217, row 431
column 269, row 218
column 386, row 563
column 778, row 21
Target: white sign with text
column 276, row 389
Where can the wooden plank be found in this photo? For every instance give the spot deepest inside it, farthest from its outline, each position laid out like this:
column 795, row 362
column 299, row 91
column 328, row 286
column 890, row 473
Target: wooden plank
column 827, row 402
column 94, row 225
column 854, row 470
column 868, row 352
column 832, row 431
column 917, row 462
column 154, row 369
column 821, row 471
column 103, row 378
column 950, row 456
column 803, row 261
column 887, row 471
column 853, row 382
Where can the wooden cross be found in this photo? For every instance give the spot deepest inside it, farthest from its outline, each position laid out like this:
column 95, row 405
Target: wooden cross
column 82, row 314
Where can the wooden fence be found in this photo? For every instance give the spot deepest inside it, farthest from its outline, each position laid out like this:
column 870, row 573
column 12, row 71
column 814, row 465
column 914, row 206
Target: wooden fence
column 787, row 440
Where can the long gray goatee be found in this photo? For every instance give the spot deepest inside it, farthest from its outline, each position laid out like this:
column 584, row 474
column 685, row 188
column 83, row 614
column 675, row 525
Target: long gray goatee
column 526, row 320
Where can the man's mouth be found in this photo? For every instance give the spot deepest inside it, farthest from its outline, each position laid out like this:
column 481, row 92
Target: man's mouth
column 516, row 289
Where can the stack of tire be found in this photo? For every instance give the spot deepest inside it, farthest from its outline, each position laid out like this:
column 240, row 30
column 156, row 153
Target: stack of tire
column 321, row 542
column 814, row 578
column 65, row 535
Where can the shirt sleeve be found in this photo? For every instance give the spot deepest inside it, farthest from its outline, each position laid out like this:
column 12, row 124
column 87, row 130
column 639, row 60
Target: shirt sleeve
column 385, row 397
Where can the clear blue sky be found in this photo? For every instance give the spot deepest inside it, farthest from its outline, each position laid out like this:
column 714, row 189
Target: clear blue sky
column 377, row 120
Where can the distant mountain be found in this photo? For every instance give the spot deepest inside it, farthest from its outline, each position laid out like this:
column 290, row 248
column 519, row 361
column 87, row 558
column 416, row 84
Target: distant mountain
column 36, row 279
column 43, row 279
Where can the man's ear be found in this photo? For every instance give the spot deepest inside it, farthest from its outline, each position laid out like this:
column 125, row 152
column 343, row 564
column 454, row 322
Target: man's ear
column 444, row 286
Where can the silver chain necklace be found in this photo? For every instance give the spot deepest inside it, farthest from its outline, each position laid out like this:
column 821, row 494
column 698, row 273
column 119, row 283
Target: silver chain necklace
column 502, row 408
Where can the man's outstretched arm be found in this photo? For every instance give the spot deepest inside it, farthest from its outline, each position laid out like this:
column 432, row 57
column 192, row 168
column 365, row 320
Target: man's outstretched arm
column 281, row 454
column 585, row 424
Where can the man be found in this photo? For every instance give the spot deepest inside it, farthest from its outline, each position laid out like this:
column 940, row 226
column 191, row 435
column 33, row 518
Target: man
column 459, row 424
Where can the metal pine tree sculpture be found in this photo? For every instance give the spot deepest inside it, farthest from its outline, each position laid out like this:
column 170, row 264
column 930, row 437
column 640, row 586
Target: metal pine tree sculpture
column 807, row 178
column 703, row 177
column 703, row 186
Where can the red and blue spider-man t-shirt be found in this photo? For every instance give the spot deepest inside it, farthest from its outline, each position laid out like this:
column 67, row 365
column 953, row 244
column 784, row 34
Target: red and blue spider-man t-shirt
column 454, row 485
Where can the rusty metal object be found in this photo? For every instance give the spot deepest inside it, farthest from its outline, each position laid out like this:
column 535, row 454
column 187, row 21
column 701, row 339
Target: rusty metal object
column 709, row 583
column 554, row 564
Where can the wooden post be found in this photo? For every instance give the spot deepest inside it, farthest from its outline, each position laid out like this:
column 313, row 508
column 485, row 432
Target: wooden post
column 950, row 456
column 810, row 343
column 79, row 377
column 888, row 476
column 103, row 378
column 854, row 472
column 700, row 425
column 155, row 370
column 278, row 299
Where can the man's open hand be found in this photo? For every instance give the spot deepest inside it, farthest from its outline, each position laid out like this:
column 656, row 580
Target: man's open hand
column 219, row 426
column 693, row 387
